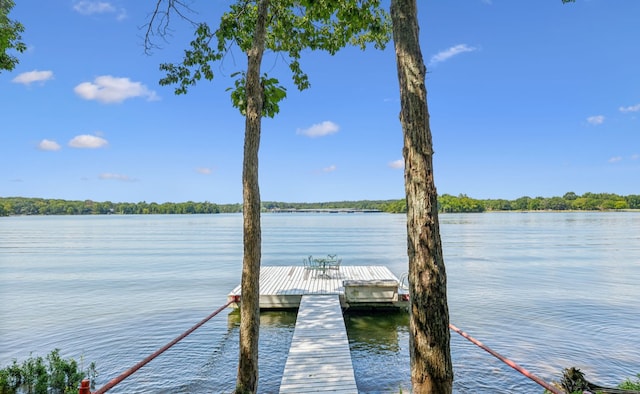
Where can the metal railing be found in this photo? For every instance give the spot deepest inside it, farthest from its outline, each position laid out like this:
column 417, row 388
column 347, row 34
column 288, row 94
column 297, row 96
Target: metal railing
column 85, row 384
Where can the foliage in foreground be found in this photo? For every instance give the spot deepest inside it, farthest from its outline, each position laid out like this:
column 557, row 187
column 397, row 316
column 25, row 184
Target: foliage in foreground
column 574, row 382
column 630, row 384
column 41, row 376
column 10, row 37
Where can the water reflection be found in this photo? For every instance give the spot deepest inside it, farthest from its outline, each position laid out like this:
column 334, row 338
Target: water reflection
column 276, row 332
column 268, row 319
column 378, row 351
column 377, row 333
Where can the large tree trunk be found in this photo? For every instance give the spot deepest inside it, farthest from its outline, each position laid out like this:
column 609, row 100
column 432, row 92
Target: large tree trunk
column 247, row 381
column 429, row 338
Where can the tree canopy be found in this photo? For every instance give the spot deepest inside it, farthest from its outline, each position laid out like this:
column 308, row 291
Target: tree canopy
column 293, row 27
column 10, row 37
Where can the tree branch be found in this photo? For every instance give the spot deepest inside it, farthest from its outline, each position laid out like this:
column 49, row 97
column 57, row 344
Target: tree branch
column 158, row 25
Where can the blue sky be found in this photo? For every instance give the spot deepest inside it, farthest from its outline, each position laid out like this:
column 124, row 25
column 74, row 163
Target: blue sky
column 528, row 98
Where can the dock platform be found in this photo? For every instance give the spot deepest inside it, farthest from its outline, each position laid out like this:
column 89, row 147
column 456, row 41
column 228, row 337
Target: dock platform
column 364, row 287
column 319, row 358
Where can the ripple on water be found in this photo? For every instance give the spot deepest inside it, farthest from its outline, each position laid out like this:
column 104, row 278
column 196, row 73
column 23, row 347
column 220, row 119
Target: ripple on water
column 549, row 291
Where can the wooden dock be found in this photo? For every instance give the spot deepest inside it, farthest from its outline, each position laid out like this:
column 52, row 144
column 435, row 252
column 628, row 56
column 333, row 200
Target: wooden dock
column 319, row 359
column 282, row 287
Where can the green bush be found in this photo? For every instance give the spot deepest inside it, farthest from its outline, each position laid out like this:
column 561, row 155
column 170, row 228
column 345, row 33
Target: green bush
column 34, row 375
column 631, row 385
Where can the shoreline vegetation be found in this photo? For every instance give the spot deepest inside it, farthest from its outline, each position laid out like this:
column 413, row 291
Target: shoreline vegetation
column 20, row 206
column 52, row 374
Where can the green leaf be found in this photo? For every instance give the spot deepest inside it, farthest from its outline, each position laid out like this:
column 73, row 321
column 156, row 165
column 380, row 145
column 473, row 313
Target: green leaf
column 272, row 93
column 293, row 26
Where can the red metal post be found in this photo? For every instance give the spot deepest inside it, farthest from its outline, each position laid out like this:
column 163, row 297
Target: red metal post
column 505, row 360
column 158, row 352
column 85, row 387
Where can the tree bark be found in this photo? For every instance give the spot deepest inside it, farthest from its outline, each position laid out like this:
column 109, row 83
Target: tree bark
column 429, row 339
column 247, row 380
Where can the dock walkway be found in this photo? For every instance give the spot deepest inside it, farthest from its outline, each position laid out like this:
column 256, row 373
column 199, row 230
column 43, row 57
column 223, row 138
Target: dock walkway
column 319, row 358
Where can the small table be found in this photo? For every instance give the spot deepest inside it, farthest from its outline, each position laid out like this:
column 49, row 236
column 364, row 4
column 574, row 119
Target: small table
column 324, row 264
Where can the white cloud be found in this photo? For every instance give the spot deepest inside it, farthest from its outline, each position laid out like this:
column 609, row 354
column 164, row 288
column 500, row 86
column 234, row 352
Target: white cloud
column 635, row 157
column 632, row 108
column 116, row 177
column 615, row 159
column 93, row 7
column 451, row 52
column 99, row 7
column 331, row 168
column 108, row 89
column 204, row 170
column 88, row 141
column 33, row 76
column 397, row 164
column 320, row 129
column 595, row 120
column 48, row 145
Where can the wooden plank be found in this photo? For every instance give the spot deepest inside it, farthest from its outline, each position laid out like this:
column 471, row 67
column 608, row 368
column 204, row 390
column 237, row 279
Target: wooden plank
column 282, row 286
column 319, row 358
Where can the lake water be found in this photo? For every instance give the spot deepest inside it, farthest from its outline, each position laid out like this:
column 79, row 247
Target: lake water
column 548, row 290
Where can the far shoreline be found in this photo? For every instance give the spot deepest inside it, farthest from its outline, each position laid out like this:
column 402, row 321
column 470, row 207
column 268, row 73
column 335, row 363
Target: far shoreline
column 569, row 202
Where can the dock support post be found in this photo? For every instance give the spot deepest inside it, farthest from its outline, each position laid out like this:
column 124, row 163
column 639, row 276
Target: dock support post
column 84, row 387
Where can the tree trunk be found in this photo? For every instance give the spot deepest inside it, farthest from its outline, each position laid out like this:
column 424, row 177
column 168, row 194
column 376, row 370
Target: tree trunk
column 247, row 380
column 429, row 338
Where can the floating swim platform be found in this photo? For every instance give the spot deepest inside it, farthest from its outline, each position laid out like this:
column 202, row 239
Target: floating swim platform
column 357, row 287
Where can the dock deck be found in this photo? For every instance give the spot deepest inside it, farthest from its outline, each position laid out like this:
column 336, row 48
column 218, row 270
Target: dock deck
column 282, row 287
column 319, row 358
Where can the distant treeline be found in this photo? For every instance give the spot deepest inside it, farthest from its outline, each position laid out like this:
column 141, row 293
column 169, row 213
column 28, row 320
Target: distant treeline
column 446, row 203
column 43, row 206
column 569, row 202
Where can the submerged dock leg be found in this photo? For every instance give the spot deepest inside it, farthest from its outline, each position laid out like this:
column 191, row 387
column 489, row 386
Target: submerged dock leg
column 319, row 358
